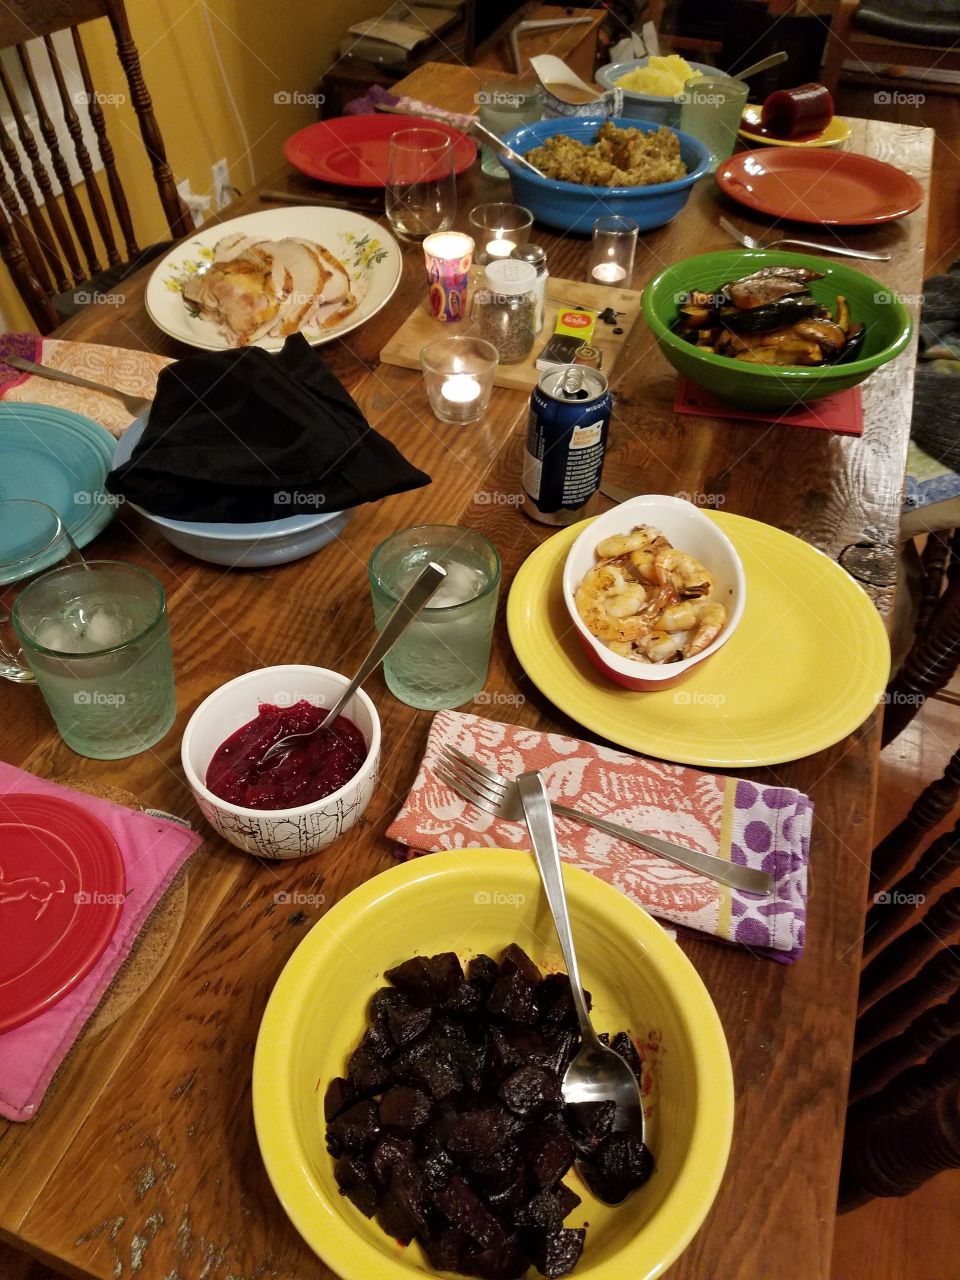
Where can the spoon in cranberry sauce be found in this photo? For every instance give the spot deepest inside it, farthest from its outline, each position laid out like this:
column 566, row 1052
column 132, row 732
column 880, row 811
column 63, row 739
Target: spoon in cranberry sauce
column 409, row 606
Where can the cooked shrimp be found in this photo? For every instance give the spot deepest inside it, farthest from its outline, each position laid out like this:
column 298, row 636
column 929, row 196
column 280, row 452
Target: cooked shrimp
column 678, row 617
column 621, row 544
column 681, row 571
column 658, row 646
column 710, row 619
column 628, row 602
column 594, row 598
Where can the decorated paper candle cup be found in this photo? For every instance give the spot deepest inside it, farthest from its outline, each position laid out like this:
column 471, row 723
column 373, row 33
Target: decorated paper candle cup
column 448, row 255
column 458, row 373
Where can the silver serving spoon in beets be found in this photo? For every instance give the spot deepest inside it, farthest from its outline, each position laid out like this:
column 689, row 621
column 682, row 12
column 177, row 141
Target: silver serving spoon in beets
column 409, row 606
column 597, row 1075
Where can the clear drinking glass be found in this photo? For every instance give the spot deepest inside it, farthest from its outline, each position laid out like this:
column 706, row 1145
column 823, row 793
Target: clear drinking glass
column 97, row 640
column 498, row 229
column 421, row 193
column 458, row 373
column 441, row 659
column 710, row 110
column 33, row 539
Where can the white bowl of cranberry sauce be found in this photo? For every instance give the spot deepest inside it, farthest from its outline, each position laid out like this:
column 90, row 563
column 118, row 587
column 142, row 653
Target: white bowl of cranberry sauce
column 297, row 804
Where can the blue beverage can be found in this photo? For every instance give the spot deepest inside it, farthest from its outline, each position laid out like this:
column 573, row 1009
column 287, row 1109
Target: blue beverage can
column 566, row 440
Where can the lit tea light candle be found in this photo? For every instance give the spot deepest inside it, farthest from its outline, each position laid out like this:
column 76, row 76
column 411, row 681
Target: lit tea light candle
column 609, row 273
column 500, row 248
column 460, row 389
column 448, row 246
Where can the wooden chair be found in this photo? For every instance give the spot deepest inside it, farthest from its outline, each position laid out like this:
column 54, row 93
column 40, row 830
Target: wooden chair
column 53, row 253
column 907, row 42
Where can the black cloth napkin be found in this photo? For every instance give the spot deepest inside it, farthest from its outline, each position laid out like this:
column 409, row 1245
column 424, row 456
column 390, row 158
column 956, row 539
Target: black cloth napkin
column 248, row 436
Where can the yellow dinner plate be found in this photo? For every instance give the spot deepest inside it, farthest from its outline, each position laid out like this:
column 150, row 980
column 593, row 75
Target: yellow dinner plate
column 807, row 664
column 836, row 132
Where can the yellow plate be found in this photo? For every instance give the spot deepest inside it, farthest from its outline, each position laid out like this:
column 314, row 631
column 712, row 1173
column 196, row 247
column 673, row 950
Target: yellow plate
column 834, row 135
column 472, row 901
column 807, row 665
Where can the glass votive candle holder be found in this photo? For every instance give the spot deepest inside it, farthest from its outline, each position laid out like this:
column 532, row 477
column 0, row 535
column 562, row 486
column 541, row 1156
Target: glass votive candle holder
column 448, row 255
column 499, row 229
column 612, row 251
column 458, row 373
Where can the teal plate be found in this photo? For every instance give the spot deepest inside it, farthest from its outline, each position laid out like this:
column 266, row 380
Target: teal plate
column 59, row 458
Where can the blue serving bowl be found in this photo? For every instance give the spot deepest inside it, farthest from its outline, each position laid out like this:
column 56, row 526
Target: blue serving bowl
column 646, row 106
column 572, row 206
column 238, row 546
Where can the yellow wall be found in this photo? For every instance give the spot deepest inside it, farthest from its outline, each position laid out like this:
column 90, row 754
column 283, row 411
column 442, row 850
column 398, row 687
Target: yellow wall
column 266, row 47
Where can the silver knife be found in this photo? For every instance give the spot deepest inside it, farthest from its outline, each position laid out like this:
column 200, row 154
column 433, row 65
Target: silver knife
column 616, row 492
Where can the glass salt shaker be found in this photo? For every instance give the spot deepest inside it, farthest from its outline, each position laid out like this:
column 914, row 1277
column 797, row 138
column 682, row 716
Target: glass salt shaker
column 537, row 258
column 505, row 308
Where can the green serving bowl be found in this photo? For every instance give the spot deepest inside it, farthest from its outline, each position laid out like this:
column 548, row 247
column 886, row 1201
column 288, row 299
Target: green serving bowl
column 754, row 386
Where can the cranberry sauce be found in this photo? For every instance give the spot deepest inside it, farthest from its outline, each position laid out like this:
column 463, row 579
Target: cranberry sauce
column 305, row 774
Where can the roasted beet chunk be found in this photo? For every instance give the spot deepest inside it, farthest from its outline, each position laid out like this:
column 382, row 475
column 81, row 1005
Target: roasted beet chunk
column 545, row 1211
column 566, row 1199
column 513, row 998
column 505, row 1262
column 557, row 1252
column 621, row 1164
column 561, row 1048
column 479, row 1133
column 555, row 1003
column 353, row 1179
column 530, row 1091
column 445, row 1251
column 368, row 1072
column 627, row 1050
column 390, row 1152
column 406, row 1022
column 464, row 1001
column 514, row 1047
column 383, row 1000
column 438, row 1168
column 588, row 1123
column 404, row 1108
column 436, row 1071
column 402, row 1210
column 354, row 1129
column 501, row 1178
column 465, row 1210
column 515, row 959
column 433, row 978
column 482, row 974
column 338, row 1097
column 549, row 1152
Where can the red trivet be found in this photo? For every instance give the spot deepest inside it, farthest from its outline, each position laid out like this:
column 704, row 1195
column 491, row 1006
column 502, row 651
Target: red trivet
column 842, row 412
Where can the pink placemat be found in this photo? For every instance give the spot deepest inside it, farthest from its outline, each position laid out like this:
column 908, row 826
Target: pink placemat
column 842, row 412
column 153, row 850
column 729, row 818
column 133, row 371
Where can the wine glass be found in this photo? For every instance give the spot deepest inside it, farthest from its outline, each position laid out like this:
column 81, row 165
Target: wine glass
column 421, row 193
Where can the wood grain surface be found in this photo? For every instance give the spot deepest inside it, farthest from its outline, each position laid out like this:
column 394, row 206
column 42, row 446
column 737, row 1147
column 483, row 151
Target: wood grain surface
column 142, row 1161
column 404, row 347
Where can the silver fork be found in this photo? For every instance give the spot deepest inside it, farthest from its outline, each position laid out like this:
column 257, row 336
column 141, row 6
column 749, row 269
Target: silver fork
column 754, row 242
column 500, row 796
column 136, row 405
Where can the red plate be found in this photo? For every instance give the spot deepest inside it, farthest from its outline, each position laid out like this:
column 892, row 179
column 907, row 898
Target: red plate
column 833, row 188
column 352, row 150
column 61, row 893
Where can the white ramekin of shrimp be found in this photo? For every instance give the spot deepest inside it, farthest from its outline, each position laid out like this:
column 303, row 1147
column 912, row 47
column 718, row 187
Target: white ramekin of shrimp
column 653, row 587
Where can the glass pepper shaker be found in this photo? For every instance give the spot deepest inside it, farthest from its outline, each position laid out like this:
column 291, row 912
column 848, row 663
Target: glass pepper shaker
column 505, row 308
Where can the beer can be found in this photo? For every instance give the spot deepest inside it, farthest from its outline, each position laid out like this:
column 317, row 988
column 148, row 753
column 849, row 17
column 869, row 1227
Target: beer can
column 566, row 441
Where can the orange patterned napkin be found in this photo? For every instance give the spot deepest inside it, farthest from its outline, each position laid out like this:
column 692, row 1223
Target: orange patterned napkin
column 730, row 818
column 132, row 371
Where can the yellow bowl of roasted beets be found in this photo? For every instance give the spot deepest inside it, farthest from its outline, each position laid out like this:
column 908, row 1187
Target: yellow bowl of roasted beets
column 476, row 902
column 878, row 326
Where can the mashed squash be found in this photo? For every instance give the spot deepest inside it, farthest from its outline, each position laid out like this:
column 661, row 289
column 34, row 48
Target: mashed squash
column 661, row 77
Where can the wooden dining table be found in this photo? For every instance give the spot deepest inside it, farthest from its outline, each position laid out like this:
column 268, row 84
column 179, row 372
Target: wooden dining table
column 142, row 1160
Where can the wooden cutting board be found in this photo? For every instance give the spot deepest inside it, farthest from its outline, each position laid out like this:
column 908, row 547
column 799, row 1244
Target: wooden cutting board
column 419, row 328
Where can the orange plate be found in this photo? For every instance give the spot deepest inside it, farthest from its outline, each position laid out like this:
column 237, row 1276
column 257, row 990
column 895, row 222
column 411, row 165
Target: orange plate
column 835, row 188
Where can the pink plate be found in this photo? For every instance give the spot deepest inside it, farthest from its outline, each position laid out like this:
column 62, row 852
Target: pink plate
column 351, row 151
column 62, row 885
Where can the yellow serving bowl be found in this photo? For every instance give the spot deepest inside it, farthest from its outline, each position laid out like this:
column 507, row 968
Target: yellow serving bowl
column 473, row 901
